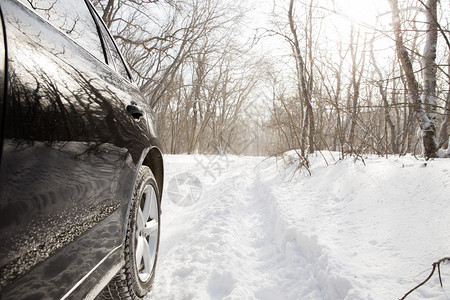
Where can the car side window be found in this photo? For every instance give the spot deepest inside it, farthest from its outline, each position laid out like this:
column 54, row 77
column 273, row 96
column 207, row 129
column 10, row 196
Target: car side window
column 74, row 19
column 120, row 67
column 116, row 57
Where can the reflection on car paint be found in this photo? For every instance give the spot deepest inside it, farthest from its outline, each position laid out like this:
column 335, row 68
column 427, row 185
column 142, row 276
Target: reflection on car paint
column 69, row 156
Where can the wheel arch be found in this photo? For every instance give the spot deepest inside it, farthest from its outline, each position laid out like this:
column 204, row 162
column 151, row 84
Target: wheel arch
column 154, row 160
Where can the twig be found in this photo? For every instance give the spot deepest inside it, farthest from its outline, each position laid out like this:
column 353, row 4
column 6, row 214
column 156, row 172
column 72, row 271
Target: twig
column 438, row 263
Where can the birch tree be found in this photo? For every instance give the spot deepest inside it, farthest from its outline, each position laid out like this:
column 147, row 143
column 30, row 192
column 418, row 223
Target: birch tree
column 425, row 106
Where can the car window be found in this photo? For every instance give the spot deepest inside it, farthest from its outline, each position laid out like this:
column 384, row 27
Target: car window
column 116, row 58
column 74, row 19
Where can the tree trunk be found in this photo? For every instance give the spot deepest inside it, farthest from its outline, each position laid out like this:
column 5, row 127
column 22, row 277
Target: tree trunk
column 426, row 117
column 429, row 70
column 304, row 93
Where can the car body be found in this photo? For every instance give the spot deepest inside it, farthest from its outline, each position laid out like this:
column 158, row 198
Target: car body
column 75, row 131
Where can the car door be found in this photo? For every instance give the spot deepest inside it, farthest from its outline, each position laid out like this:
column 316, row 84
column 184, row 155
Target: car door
column 73, row 135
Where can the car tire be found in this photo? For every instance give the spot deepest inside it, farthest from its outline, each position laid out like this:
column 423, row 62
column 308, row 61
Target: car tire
column 135, row 279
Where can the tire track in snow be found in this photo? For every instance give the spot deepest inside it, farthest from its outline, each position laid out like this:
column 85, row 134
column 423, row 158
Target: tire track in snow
column 234, row 244
column 324, row 280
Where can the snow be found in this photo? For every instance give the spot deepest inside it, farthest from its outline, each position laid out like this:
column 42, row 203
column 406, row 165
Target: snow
column 251, row 228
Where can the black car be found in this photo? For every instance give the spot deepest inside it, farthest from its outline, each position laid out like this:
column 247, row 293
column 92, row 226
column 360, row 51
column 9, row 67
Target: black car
column 81, row 172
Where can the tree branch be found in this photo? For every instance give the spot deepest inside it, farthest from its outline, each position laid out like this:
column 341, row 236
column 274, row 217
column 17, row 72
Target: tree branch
column 436, row 264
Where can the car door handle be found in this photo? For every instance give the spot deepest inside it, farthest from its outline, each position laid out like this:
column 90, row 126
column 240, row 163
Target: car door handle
column 135, row 111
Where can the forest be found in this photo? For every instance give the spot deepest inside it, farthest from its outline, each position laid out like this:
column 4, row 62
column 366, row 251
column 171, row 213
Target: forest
column 265, row 77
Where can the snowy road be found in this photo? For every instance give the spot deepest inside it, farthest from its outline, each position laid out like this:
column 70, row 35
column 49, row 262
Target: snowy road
column 226, row 246
column 242, row 228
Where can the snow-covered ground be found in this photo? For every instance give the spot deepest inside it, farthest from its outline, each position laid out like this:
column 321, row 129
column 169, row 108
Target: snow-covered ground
column 248, row 228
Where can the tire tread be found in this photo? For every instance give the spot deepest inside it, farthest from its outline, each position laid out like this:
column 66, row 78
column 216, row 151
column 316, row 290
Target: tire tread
column 122, row 284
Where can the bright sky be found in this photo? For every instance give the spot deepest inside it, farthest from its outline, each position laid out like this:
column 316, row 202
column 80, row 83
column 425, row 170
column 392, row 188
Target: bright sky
column 362, row 11
column 340, row 15
column 365, row 16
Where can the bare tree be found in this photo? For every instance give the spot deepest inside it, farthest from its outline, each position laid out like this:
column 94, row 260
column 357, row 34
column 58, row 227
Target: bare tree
column 425, row 107
column 357, row 67
column 381, row 84
column 201, row 78
column 304, row 89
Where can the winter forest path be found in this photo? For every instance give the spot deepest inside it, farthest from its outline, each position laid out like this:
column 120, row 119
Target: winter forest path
column 224, row 244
